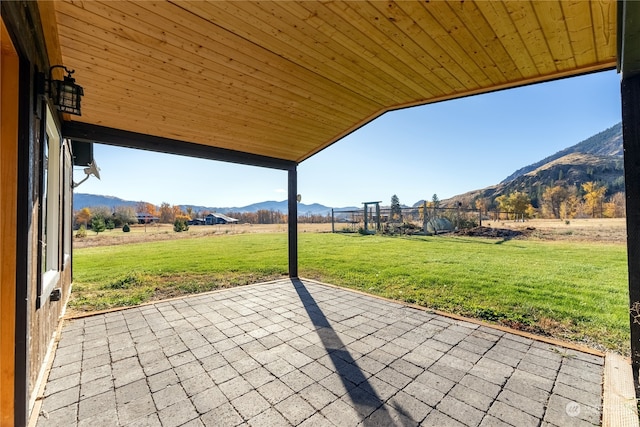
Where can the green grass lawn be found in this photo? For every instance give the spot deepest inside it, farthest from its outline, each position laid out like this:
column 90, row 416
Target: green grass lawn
column 573, row 291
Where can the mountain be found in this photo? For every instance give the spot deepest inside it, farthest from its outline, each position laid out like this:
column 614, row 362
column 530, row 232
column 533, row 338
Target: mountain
column 605, row 143
column 598, row 158
column 82, row 200
column 282, row 206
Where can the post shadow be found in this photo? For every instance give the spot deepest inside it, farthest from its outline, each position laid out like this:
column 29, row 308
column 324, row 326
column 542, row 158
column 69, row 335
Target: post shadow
column 365, row 399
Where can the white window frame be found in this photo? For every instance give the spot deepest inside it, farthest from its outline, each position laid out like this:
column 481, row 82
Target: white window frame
column 51, row 209
column 67, row 203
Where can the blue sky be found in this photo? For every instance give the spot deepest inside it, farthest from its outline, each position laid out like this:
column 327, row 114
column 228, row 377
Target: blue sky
column 447, row 148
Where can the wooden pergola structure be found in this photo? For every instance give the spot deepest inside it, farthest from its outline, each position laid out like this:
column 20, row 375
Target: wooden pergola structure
column 272, row 83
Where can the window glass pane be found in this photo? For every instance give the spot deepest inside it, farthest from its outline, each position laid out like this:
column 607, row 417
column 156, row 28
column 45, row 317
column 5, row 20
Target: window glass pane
column 51, row 237
column 44, row 198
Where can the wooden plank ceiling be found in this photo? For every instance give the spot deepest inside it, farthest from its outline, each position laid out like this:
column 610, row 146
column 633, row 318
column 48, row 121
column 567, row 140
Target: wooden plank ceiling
column 285, row 79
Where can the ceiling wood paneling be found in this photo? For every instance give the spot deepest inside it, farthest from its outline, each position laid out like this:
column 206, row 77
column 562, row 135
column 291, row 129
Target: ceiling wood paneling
column 285, row 79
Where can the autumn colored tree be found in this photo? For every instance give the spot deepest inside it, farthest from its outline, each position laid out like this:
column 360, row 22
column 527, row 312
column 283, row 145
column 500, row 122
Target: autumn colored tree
column 569, row 209
column 481, row 204
column 264, row 216
column 520, row 202
column 147, row 208
column 183, row 217
column 553, row 199
column 176, row 211
column 83, row 216
column 615, row 206
column 310, row 218
column 516, row 203
column 594, row 197
column 166, row 213
column 503, row 204
column 244, row 217
column 619, row 202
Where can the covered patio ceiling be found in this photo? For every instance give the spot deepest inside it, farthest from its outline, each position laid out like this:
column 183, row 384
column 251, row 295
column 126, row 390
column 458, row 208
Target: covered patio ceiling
column 285, row 79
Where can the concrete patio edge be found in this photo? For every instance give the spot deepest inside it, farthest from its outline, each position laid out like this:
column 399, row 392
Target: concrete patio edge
column 619, row 406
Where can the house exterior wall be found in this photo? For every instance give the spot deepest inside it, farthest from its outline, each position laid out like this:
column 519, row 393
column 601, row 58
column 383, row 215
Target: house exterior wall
column 28, row 316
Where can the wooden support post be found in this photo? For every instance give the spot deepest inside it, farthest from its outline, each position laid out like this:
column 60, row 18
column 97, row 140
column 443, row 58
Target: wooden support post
column 631, row 137
column 333, row 222
column 425, row 218
column 366, row 223
column 293, row 222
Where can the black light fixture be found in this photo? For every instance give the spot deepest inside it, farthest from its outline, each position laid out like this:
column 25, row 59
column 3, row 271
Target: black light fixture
column 65, row 94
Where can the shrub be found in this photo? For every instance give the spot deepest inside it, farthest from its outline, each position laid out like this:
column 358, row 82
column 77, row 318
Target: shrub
column 110, row 224
column 465, row 223
column 82, row 232
column 98, row 225
column 126, row 228
column 180, row 225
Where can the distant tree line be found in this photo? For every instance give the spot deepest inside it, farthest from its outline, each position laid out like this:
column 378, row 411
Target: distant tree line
column 262, row 216
column 104, row 218
column 96, row 216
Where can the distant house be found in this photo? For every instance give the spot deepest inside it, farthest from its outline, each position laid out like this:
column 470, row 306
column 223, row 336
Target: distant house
column 197, row 221
column 216, row 218
column 145, row 218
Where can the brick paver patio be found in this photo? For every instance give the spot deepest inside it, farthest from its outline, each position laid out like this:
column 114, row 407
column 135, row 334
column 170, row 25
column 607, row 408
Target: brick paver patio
column 302, row 353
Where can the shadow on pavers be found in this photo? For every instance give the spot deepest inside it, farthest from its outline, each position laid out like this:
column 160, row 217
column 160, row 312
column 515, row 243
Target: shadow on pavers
column 365, row 399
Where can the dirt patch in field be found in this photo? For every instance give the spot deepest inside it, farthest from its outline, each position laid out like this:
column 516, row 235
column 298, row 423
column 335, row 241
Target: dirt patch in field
column 605, row 230
column 503, row 233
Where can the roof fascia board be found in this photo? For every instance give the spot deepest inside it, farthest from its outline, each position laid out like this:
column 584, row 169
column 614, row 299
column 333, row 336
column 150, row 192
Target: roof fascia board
column 104, row 135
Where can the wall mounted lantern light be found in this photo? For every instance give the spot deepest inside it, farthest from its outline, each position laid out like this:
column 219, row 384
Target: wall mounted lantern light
column 65, row 94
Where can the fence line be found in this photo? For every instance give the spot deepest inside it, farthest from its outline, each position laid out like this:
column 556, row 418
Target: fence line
column 413, row 220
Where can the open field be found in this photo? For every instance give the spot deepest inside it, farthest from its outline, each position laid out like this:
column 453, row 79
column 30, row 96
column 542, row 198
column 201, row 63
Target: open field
column 568, row 288
column 159, row 232
column 611, row 230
